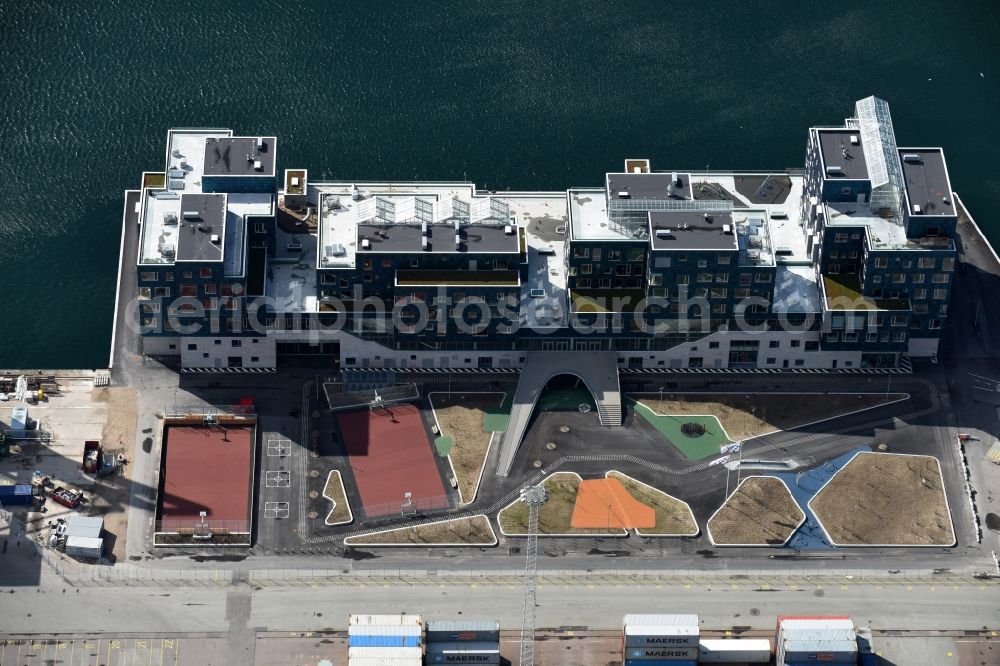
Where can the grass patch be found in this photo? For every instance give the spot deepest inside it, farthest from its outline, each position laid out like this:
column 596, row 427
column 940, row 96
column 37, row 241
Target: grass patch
column 497, row 417
column 760, row 512
column 461, row 418
column 747, row 415
column 886, row 499
column 471, row 531
column 443, row 445
column 673, row 516
column 555, row 516
column 340, row 512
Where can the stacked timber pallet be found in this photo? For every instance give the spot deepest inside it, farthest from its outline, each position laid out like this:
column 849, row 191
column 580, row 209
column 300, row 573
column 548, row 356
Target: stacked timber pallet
column 660, row 640
column 385, row 640
column 463, row 642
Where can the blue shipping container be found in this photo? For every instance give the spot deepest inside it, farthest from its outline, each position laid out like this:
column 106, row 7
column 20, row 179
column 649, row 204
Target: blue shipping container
column 383, row 641
column 16, row 495
column 659, row 662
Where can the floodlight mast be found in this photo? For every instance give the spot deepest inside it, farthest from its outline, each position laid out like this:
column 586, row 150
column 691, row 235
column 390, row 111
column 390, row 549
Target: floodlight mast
column 534, row 497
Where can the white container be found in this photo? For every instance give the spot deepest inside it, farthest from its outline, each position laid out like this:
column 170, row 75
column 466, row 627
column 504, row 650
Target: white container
column 386, row 620
column 678, row 620
column 734, row 650
column 816, row 624
column 19, row 418
column 378, row 661
column 385, row 653
column 661, row 636
column 817, row 634
column 85, row 547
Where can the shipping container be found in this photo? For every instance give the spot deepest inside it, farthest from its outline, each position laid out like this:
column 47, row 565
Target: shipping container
column 734, row 650
column 386, row 620
column 383, row 641
column 817, row 634
column 659, row 662
column 865, row 640
column 78, row 546
column 462, row 630
column 676, row 620
column 653, row 636
column 84, row 526
column 819, row 651
column 19, row 418
column 381, row 661
column 814, row 620
column 19, row 494
column 382, row 630
column 464, row 646
column 385, row 653
column 822, row 663
column 456, row 658
column 661, row 653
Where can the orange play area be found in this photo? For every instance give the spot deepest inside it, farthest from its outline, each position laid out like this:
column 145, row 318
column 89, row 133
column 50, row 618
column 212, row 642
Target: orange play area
column 605, row 503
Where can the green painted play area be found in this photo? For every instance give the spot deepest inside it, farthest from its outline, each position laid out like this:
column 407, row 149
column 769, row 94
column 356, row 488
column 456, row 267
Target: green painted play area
column 693, row 448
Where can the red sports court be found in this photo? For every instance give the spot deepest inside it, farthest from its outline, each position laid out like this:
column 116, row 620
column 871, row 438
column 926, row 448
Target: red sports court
column 206, row 468
column 390, row 455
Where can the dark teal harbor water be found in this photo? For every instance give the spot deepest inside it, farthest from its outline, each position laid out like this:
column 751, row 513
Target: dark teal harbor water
column 519, row 95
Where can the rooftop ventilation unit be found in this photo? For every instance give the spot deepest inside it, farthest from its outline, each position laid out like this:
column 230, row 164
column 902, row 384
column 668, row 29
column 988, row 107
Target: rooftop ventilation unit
column 167, row 250
column 912, row 158
column 783, row 250
column 258, row 165
column 664, row 233
column 707, row 217
column 366, row 244
column 855, row 139
column 834, row 171
column 215, row 238
column 509, row 229
column 727, row 229
column 458, row 224
column 423, row 228
column 189, row 214
column 424, row 245
column 170, row 219
column 458, row 241
column 917, row 210
column 623, row 195
column 260, row 143
column 295, row 181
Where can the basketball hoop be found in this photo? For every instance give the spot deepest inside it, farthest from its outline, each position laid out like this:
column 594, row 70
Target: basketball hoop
column 408, row 508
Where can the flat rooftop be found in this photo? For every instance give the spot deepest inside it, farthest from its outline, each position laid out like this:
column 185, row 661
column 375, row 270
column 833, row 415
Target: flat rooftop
column 649, row 185
column 927, row 183
column 206, row 468
column 235, row 156
column 691, row 230
column 838, row 151
column 202, row 227
column 185, row 161
column 476, row 238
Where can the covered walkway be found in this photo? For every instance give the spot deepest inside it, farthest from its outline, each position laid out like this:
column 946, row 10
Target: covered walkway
column 598, row 370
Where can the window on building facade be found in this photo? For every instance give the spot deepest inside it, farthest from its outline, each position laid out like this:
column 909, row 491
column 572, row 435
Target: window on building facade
column 933, row 324
column 948, row 264
column 840, row 238
column 580, row 253
column 149, row 276
column 614, row 255
column 940, row 294
column 898, row 320
column 918, row 278
column 919, row 294
column 722, row 277
column 585, row 269
column 898, row 278
column 595, row 253
column 926, row 262
column 205, row 273
column 881, row 262
column 941, row 278
column 723, row 259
